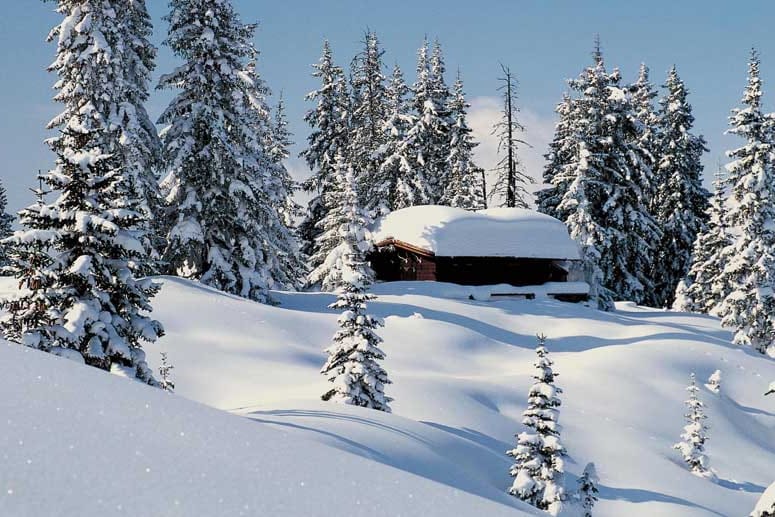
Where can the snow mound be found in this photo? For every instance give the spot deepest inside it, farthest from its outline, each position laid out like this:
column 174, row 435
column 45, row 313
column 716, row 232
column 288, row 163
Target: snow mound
column 497, row 232
column 79, row 442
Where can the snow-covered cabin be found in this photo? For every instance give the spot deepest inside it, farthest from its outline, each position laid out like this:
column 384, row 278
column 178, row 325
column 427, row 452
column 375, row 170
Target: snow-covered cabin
column 497, row 246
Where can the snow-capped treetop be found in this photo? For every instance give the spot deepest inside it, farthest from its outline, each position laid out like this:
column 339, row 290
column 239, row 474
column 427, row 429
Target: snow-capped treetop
column 496, row 232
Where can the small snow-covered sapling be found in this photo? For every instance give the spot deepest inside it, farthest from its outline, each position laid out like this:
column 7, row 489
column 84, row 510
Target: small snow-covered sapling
column 714, row 382
column 586, row 495
column 692, row 446
column 166, row 383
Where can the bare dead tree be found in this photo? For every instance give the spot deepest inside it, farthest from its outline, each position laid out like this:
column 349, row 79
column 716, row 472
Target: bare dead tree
column 511, row 180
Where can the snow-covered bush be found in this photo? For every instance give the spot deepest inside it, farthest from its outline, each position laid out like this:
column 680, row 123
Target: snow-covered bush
column 714, row 382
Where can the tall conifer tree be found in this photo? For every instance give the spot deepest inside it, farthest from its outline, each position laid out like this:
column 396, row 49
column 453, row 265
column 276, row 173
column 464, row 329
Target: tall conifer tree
column 609, row 172
column 395, row 170
column 562, row 148
column 225, row 230
column 75, row 256
column 139, row 143
column 330, row 122
column 703, row 289
column 367, row 121
column 426, row 139
column 681, row 201
column 749, row 269
column 463, row 187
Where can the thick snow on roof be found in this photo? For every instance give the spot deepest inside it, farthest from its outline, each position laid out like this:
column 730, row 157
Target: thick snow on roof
column 497, row 232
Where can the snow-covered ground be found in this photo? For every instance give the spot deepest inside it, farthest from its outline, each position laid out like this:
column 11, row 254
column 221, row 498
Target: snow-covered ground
column 461, row 369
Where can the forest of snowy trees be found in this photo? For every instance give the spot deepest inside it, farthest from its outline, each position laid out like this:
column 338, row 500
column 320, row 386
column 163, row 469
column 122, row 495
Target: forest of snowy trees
column 209, row 198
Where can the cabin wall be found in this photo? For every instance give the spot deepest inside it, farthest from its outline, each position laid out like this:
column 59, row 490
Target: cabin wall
column 392, row 263
column 497, row 270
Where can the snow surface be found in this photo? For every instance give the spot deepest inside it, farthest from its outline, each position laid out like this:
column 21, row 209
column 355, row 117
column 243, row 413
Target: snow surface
column 766, row 504
column 78, row 442
column 461, row 371
column 497, row 232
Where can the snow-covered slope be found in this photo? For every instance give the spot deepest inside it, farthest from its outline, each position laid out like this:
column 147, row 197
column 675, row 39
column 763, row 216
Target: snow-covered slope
column 461, row 369
column 78, row 442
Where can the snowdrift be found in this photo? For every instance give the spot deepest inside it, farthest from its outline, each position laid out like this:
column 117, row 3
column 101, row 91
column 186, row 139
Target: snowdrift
column 461, row 369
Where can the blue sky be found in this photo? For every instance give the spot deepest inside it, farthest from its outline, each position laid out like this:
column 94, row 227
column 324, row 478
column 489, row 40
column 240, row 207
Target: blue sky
column 544, row 42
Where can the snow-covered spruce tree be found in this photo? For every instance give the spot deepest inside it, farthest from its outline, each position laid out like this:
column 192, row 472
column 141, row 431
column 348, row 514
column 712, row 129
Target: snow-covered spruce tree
column 165, row 374
column 765, row 507
column 226, row 232
column 583, row 227
column 353, row 366
column 6, row 220
column 586, row 494
column 284, row 260
column 714, row 382
column 703, row 289
column 74, row 256
column 332, row 243
column 463, row 187
column 367, row 122
column 511, row 180
column 427, row 139
column 329, row 121
column 539, row 456
column 616, row 172
column 681, row 202
column 283, row 185
column 139, row 144
column 749, row 269
column 395, row 168
column 562, row 149
column 441, row 96
column 692, row 446
column 771, row 389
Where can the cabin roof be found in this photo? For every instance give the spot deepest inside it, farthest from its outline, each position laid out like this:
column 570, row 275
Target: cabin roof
column 498, row 232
